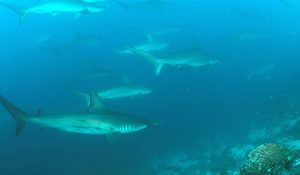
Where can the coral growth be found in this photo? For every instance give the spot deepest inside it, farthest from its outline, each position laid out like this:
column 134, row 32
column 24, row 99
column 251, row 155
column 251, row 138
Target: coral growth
column 268, row 159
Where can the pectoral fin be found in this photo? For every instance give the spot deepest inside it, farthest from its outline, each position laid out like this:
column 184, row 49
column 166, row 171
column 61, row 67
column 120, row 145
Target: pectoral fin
column 82, row 12
column 113, row 137
column 76, row 16
column 54, row 13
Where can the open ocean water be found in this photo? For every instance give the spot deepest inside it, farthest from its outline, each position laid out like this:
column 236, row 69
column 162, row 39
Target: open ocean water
column 149, row 87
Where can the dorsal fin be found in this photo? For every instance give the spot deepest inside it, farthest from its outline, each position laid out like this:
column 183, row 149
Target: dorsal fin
column 126, row 79
column 95, row 102
column 150, row 38
column 79, row 35
column 195, row 43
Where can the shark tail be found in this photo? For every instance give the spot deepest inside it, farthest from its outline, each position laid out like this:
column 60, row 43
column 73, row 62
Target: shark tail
column 85, row 96
column 16, row 114
column 20, row 11
column 156, row 61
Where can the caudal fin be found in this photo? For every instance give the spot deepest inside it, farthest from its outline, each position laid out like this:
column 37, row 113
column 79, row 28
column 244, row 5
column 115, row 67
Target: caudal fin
column 156, row 61
column 20, row 11
column 16, row 113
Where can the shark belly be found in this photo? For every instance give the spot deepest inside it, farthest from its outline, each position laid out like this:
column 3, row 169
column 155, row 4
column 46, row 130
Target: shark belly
column 56, row 8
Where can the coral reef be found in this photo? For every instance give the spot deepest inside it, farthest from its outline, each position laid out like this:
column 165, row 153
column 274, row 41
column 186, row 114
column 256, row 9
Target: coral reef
column 268, row 159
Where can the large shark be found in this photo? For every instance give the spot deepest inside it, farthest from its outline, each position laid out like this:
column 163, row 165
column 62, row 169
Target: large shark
column 77, row 7
column 191, row 57
column 145, row 5
column 151, row 45
column 95, row 120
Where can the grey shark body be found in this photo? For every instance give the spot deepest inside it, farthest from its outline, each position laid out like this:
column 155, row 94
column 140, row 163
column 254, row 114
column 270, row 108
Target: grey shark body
column 76, row 7
column 145, row 5
column 151, row 45
column 247, row 37
column 128, row 90
column 96, row 120
column 80, row 40
column 262, row 71
column 190, row 57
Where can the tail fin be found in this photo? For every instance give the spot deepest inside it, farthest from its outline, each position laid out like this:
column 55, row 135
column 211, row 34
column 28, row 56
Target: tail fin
column 84, row 96
column 95, row 102
column 20, row 11
column 16, row 113
column 156, row 61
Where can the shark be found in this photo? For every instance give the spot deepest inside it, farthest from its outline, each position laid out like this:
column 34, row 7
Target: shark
column 41, row 40
column 262, row 71
column 144, row 5
column 244, row 38
column 96, row 120
column 128, row 90
column 54, row 7
column 193, row 57
column 79, row 40
column 95, row 1
column 290, row 3
column 151, row 45
column 164, row 31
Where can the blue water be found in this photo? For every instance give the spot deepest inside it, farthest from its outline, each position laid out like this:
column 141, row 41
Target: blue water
column 204, row 112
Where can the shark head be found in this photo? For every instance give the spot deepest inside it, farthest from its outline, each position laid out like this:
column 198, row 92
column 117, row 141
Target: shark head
column 200, row 58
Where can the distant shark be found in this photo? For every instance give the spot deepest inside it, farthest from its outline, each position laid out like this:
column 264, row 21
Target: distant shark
column 128, row 90
column 145, row 5
column 151, row 45
column 164, row 31
column 191, row 57
column 76, row 7
column 79, row 40
column 247, row 37
column 262, row 71
column 95, row 1
column 42, row 40
column 95, row 120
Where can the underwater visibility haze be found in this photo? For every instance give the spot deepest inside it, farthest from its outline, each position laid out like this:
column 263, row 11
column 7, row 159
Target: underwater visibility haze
column 149, row 87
